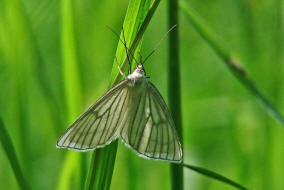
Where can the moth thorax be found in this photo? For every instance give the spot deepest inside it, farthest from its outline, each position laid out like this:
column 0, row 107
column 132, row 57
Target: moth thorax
column 138, row 73
column 140, row 69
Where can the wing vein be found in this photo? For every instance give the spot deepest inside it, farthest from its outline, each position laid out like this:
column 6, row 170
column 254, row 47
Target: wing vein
column 74, row 131
column 140, row 121
column 134, row 117
column 146, row 150
column 120, row 113
column 115, row 109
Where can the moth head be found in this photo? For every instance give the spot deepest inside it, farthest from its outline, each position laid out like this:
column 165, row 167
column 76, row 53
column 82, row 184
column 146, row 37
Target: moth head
column 140, row 69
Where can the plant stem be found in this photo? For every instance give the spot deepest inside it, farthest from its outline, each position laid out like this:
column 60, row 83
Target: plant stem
column 174, row 89
column 237, row 70
column 11, row 154
column 72, row 91
column 138, row 36
column 104, row 159
column 214, row 175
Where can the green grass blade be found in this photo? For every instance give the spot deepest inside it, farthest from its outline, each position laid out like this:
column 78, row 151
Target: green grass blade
column 102, row 165
column 214, row 175
column 115, row 76
column 174, row 89
column 72, row 82
column 38, row 61
column 238, row 71
column 11, row 154
column 72, row 90
column 131, row 25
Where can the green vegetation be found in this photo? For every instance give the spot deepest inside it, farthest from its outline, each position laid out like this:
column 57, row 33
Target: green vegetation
column 57, row 58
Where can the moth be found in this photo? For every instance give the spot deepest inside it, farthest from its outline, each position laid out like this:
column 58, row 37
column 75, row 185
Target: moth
column 133, row 110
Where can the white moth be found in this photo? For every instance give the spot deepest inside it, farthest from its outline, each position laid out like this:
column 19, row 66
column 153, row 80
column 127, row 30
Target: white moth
column 133, row 110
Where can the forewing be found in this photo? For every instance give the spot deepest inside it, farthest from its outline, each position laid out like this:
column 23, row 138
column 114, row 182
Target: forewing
column 99, row 125
column 150, row 129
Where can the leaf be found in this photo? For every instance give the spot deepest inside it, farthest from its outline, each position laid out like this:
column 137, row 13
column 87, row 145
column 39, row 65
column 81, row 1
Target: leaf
column 11, row 154
column 237, row 70
column 101, row 169
column 72, row 90
column 214, row 175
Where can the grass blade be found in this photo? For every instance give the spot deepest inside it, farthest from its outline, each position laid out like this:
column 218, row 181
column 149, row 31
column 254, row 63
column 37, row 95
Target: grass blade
column 72, row 90
column 11, row 154
column 214, row 175
column 115, row 73
column 102, row 165
column 174, row 89
column 238, row 71
column 72, row 82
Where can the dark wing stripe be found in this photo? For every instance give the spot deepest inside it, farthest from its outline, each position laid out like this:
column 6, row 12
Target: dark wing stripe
column 122, row 107
column 104, row 127
column 85, row 126
column 76, row 130
column 82, row 133
column 146, row 150
column 98, row 117
column 132, row 122
column 83, row 142
column 156, row 125
column 174, row 150
column 143, row 125
column 148, row 127
column 136, row 145
column 171, row 123
column 161, row 124
column 100, row 100
column 116, row 104
column 139, row 141
column 108, row 120
column 162, row 143
column 156, row 139
column 96, row 122
column 168, row 134
column 101, row 128
column 95, row 132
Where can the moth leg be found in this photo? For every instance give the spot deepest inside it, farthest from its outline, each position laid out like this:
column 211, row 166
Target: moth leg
column 119, row 68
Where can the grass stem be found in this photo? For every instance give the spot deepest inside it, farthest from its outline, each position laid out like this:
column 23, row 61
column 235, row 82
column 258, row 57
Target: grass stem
column 236, row 69
column 174, row 89
column 214, row 175
column 102, row 166
column 11, row 154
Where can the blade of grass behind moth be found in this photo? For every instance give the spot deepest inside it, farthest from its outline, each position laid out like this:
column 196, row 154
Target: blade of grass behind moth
column 174, row 90
column 279, row 47
column 12, row 157
column 73, row 96
column 19, row 60
column 38, row 65
column 132, row 22
column 115, row 76
column 101, row 169
column 238, row 71
column 214, row 175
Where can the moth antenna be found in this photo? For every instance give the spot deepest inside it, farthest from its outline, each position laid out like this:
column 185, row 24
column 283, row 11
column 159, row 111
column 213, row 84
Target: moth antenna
column 159, row 43
column 129, row 68
column 122, row 43
column 140, row 56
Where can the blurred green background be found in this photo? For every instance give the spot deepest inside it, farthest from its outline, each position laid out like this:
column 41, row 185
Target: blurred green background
column 224, row 128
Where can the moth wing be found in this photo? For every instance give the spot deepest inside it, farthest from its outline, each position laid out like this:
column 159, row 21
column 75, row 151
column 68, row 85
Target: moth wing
column 100, row 123
column 150, row 130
